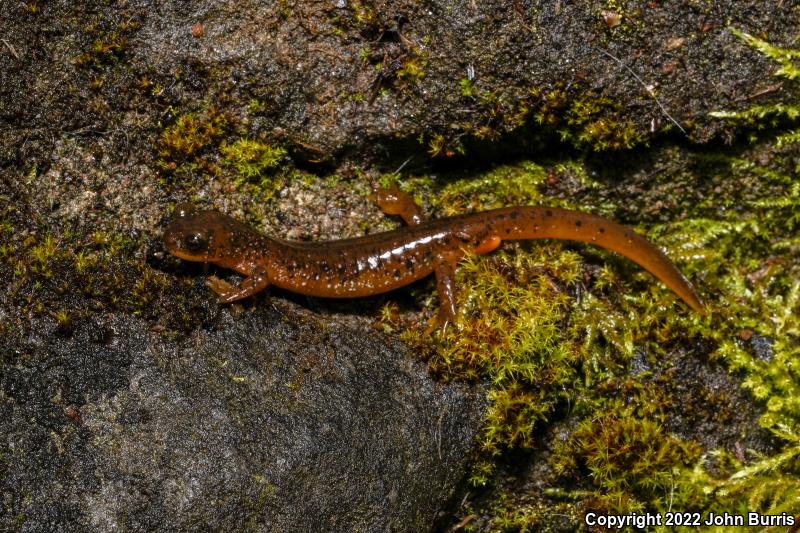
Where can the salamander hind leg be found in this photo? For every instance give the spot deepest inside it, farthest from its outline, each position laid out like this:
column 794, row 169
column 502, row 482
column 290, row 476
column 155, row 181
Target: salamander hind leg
column 445, row 286
column 393, row 201
column 228, row 293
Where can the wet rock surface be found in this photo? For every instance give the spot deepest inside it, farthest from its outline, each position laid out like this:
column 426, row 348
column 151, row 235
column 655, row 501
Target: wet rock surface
column 363, row 80
column 261, row 422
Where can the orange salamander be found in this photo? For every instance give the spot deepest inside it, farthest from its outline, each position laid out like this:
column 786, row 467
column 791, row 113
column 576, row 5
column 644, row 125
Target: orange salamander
column 381, row 262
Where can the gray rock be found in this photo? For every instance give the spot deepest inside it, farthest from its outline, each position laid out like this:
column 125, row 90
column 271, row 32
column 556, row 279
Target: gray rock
column 257, row 423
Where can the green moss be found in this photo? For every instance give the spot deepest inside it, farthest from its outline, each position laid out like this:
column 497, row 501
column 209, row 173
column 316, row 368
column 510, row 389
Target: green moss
column 257, row 107
column 363, row 13
column 770, row 485
column 534, row 516
column 757, row 295
column 598, row 123
column 770, row 115
column 513, row 318
column 468, row 89
column 109, row 45
column 629, row 457
column 788, row 59
column 63, row 320
column 520, row 328
column 190, row 134
column 581, row 116
column 7, row 251
column 208, row 144
column 42, row 253
column 586, row 119
column 503, row 186
column 413, row 68
column 549, row 105
column 50, row 278
column 357, row 17
column 253, row 160
column 439, row 145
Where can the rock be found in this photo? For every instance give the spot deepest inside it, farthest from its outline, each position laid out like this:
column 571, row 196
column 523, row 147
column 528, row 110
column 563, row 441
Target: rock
column 260, row 422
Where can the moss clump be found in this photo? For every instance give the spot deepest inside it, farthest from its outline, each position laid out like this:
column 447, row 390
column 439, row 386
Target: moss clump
column 413, row 68
column 512, row 310
column 788, row 59
column 40, row 256
column 468, row 88
column 519, row 184
column 207, row 144
column 607, row 134
column 515, row 326
column 258, row 107
column 189, row 135
column 363, row 14
column 593, row 121
column 109, row 45
column 441, row 146
column 253, row 160
column 629, row 457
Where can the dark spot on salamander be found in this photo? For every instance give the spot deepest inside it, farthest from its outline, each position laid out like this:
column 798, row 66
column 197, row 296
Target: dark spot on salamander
column 396, row 273
column 410, row 264
column 508, row 230
column 514, row 215
column 602, row 230
column 548, row 213
column 578, row 223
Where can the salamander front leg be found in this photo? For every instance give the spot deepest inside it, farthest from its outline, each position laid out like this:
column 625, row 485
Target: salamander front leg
column 393, row 201
column 255, row 282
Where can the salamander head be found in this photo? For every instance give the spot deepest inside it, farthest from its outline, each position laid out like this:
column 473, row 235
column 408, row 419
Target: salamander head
column 205, row 236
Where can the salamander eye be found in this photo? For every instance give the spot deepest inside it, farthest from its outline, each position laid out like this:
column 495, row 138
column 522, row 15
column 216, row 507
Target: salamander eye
column 196, row 242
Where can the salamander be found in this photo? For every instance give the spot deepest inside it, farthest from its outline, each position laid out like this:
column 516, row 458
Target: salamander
column 381, row 262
